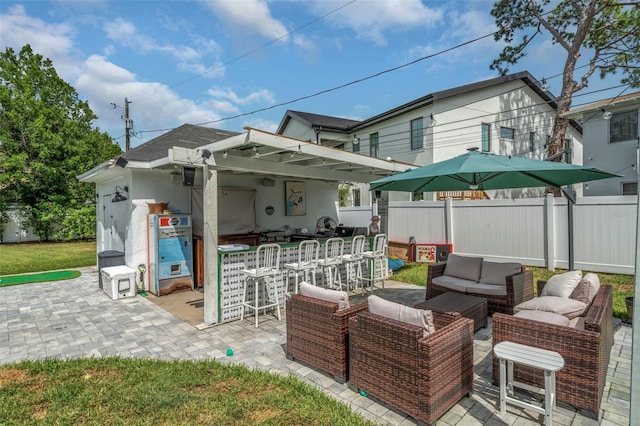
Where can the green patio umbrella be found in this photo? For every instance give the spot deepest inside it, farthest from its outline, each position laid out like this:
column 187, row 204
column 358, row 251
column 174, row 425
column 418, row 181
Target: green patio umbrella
column 484, row 171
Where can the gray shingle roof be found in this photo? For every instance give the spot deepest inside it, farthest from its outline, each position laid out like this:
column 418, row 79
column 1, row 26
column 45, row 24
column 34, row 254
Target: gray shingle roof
column 187, row 136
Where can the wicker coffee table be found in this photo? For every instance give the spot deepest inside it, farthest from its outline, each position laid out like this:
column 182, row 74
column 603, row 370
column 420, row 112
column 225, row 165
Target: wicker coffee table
column 471, row 307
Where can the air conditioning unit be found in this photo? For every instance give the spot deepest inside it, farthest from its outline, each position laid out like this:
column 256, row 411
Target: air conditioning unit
column 119, row 281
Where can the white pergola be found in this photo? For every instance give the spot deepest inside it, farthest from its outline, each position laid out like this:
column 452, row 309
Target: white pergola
column 263, row 153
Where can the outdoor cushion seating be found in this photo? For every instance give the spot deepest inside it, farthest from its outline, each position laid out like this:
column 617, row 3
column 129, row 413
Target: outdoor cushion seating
column 585, row 344
column 423, row 377
column 503, row 284
column 567, row 294
column 318, row 332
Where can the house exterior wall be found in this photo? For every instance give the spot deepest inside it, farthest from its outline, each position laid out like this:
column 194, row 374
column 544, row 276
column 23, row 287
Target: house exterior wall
column 458, row 126
column 599, row 152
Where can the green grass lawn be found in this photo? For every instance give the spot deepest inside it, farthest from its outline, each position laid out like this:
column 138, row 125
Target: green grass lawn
column 416, row 273
column 37, row 257
column 126, row 391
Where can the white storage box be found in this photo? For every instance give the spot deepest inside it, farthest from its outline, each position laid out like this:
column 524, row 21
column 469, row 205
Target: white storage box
column 119, row 281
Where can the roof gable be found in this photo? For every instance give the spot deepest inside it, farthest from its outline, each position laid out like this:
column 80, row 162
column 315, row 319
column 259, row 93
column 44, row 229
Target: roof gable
column 186, row 136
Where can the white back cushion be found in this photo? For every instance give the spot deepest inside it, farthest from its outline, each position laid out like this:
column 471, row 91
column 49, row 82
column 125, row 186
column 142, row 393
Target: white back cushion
column 587, row 288
column 420, row 317
column 562, row 285
column 335, row 296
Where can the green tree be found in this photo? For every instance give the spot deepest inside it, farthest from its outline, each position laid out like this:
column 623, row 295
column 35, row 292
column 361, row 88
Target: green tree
column 46, row 140
column 606, row 30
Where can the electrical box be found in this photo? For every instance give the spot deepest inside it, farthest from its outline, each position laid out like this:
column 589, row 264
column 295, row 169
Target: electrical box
column 119, row 281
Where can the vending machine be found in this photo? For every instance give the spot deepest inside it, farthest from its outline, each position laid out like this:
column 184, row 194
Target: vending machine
column 170, row 253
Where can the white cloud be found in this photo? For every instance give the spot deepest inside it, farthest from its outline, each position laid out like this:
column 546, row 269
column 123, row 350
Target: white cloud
column 371, row 19
column 53, row 41
column 262, row 95
column 249, row 15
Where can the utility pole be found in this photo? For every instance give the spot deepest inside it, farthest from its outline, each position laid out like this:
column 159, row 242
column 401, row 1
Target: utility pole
column 128, row 125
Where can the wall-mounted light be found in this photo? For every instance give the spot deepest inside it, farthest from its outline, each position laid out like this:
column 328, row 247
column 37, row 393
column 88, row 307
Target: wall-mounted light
column 299, row 150
column 433, row 120
column 188, row 176
column 121, row 162
column 356, row 140
column 225, row 154
column 268, row 182
column 119, row 197
column 206, row 154
column 606, row 115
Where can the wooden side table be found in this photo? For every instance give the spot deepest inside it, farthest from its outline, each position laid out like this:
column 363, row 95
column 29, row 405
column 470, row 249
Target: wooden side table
column 509, row 353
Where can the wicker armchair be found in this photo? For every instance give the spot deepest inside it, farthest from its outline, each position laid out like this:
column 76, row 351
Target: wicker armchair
column 586, row 352
column 423, row 377
column 318, row 334
column 519, row 289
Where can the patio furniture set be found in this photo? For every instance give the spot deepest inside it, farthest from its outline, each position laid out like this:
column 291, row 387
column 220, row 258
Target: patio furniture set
column 419, row 360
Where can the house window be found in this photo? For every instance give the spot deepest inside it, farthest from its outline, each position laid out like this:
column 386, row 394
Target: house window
column 373, row 144
column 355, row 195
column 629, row 188
column 486, row 137
column 507, row 133
column 623, row 126
column 417, row 133
column 532, row 140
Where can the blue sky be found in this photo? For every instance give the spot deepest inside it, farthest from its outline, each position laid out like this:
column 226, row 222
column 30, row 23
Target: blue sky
column 206, row 61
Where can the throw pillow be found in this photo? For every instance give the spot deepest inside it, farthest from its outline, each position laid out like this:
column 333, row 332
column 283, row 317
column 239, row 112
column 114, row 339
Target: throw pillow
column 570, row 308
column 495, row 272
column 587, row 288
column 465, row 267
column 420, row 317
column 335, row 296
column 562, row 285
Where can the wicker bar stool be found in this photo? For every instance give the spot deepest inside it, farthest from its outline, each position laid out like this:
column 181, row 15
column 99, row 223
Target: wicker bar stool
column 266, row 270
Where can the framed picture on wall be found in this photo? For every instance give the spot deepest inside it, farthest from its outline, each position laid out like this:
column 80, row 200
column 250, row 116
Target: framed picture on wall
column 295, row 198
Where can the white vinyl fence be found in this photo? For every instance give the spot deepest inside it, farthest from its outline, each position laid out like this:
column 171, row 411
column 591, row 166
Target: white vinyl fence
column 533, row 231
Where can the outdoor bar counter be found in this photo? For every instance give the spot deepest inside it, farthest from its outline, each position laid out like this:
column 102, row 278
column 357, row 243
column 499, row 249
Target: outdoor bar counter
column 233, row 258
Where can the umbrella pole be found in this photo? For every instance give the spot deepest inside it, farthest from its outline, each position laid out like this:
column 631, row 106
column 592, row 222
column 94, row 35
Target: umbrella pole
column 570, row 195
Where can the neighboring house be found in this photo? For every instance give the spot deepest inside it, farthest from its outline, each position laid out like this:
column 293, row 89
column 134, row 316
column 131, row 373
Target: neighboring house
column 610, row 133
column 510, row 115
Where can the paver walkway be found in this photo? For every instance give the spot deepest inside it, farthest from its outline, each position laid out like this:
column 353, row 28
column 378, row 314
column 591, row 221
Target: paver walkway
column 75, row 318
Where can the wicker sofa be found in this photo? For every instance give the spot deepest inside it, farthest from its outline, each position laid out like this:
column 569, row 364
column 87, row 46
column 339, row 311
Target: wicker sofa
column 475, row 276
column 318, row 334
column 585, row 348
column 421, row 376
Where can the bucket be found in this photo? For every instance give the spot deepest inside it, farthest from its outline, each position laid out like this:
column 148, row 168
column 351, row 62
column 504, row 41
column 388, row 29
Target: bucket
column 157, row 208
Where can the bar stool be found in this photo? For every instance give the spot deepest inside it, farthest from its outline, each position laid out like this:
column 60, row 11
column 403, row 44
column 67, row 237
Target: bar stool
column 353, row 261
column 308, row 252
column 377, row 259
column 333, row 249
column 266, row 270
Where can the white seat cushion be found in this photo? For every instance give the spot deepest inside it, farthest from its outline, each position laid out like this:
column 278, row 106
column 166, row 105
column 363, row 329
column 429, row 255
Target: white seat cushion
column 335, row 296
column 543, row 316
column 570, row 308
column 420, row 317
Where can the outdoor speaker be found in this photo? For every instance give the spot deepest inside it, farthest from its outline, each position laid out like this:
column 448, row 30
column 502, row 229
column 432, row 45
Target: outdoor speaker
column 188, row 176
column 442, row 253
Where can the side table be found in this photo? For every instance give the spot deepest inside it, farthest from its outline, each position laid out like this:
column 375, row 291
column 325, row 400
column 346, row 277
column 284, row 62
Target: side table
column 509, row 353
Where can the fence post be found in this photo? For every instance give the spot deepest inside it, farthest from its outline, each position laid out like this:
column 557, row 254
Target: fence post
column 448, row 220
column 549, row 224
